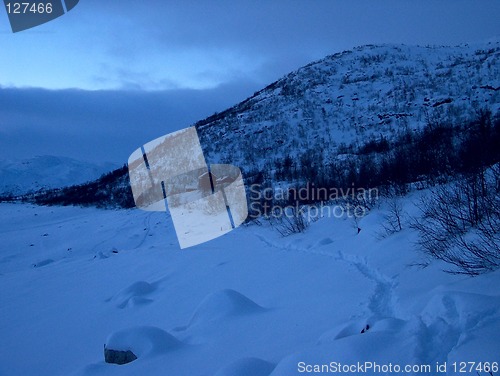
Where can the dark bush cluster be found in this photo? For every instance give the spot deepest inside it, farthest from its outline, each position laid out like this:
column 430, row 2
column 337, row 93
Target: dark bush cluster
column 435, row 154
column 460, row 222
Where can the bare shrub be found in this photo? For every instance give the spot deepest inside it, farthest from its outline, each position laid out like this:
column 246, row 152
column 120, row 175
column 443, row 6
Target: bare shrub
column 290, row 220
column 460, row 223
column 393, row 220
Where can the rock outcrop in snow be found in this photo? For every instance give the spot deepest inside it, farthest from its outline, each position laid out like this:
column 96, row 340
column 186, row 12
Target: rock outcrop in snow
column 127, row 345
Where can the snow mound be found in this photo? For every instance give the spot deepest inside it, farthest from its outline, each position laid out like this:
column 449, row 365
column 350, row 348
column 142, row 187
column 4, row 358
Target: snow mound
column 389, row 324
column 376, row 347
column 134, row 295
column 345, row 330
column 325, row 241
column 356, row 327
column 247, row 367
column 42, row 263
column 222, row 304
column 470, row 322
column 143, row 341
column 461, row 310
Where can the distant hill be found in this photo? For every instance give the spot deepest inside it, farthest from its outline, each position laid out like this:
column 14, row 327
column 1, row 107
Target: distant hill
column 47, row 172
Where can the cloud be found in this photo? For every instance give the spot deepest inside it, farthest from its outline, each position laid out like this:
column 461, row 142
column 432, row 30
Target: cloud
column 165, row 44
column 102, row 125
column 267, row 36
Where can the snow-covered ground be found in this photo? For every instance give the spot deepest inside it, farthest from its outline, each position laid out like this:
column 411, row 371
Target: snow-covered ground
column 247, row 303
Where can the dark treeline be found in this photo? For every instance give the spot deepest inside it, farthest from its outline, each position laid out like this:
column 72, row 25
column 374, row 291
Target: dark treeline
column 112, row 190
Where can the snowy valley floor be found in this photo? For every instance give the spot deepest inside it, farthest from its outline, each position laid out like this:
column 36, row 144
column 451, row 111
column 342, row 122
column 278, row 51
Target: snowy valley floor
column 248, row 303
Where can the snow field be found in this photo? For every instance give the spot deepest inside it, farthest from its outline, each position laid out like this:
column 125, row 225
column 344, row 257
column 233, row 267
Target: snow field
column 248, row 303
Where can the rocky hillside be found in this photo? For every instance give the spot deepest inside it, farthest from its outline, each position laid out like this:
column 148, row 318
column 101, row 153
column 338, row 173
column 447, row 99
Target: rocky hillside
column 351, row 98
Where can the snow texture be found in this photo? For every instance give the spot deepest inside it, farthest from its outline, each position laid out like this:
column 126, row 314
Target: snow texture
column 248, row 303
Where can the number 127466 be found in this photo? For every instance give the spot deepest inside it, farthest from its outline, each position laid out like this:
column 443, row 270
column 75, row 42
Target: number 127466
column 28, row 7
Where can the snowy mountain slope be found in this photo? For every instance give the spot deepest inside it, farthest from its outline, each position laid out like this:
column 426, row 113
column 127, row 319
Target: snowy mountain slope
column 354, row 97
column 22, row 176
column 248, row 303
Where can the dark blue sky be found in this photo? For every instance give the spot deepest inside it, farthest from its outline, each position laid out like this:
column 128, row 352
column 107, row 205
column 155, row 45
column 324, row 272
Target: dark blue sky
column 140, row 69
